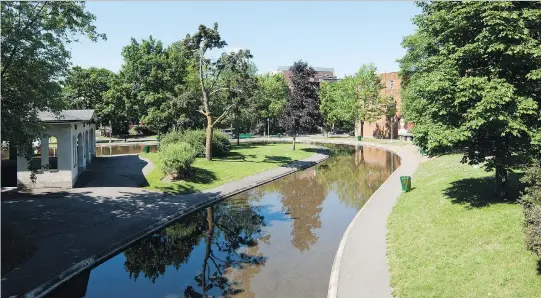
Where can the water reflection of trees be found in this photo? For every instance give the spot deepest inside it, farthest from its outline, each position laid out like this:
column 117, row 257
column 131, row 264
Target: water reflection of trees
column 353, row 175
column 301, row 196
column 227, row 232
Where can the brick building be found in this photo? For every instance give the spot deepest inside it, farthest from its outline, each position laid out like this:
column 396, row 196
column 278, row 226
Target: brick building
column 381, row 128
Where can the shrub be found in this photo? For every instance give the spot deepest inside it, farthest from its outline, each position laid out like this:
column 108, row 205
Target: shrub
column 171, row 138
column 177, row 158
column 220, row 143
column 197, row 138
column 531, row 203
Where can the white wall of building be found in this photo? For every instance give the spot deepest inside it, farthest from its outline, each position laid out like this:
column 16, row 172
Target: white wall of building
column 68, row 166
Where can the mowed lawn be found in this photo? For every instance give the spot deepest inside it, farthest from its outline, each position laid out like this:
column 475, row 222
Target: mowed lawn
column 242, row 161
column 451, row 237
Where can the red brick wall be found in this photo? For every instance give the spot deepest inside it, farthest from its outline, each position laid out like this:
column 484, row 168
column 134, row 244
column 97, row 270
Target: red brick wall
column 380, row 129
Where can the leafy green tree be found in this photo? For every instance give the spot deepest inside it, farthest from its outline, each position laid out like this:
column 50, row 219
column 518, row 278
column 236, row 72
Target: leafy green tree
column 243, row 87
column 34, row 59
column 115, row 108
column 472, row 80
column 270, row 98
column 157, row 75
column 337, row 102
column 210, row 72
column 86, row 88
column 366, row 85
column 301, row 112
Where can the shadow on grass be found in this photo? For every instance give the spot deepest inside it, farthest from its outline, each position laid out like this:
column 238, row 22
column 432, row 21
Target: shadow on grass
column 277, row 159
column 235, row 156
column 481, row 192
column 198, row 175
column 539, row 266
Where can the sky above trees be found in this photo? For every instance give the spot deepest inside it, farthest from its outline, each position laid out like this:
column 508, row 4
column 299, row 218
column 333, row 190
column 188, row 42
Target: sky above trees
column 341, row 35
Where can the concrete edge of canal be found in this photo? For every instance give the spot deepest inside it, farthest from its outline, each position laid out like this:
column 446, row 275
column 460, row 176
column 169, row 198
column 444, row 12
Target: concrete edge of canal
column 224, row 191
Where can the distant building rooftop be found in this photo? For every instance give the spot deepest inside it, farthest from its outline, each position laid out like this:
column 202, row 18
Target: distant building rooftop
column 286, row 68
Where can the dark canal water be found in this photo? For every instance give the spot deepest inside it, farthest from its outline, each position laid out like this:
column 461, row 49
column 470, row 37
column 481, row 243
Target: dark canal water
column 117, row 149
column 277, row 240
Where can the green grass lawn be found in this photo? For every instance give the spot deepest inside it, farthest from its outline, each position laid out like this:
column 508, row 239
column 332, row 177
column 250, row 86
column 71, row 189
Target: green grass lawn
column 450, row 237
column 242, row 161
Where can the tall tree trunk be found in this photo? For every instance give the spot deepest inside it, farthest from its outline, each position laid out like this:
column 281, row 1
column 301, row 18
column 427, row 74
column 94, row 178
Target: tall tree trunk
column 12, row 151
column 294, row 137
column 501, row 181
column 362, row 129
column 237, row 129
column 208, row 143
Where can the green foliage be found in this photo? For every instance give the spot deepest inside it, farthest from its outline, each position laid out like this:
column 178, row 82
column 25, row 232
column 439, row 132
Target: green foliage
column 86, row 88
column 176, row 159
column 367, row 85
column 158, row 78
column 355, row 97
column 531, row 203
column 196, row 138
column 34, row 58
column 217, row 96
column 471, row 79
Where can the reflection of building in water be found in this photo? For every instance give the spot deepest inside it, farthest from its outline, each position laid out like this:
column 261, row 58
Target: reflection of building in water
column 73, row 288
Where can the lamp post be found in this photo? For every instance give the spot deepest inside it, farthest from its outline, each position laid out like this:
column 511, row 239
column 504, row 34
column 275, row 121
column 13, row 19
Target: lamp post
column 393, row 109
column 268, row 128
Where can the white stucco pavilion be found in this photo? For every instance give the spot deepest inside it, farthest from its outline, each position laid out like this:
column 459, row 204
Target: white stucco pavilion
column 75, row 132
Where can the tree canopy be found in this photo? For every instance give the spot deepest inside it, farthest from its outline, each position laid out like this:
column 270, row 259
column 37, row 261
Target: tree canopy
column 34, row 60
column 471, row 79
column 301, row 111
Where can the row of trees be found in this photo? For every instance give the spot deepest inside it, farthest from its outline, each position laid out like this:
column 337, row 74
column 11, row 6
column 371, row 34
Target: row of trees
column 178, row 87
column 165, row 87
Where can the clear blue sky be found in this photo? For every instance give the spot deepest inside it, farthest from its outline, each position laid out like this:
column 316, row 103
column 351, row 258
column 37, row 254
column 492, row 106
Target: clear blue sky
column 341, row 35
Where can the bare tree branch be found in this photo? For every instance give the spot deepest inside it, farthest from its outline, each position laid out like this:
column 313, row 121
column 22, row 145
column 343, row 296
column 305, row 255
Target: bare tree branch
column 223, row 114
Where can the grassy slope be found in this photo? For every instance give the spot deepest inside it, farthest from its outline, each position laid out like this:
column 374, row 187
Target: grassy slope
column 450, row 237
column 242, row 161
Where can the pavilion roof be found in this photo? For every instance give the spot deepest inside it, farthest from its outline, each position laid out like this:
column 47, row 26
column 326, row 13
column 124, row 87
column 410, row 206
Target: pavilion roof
column 67, row 116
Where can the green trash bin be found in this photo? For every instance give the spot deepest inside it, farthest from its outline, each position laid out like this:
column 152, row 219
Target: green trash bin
column 422, row 152
column 405, row 181
column 359, row 138
column 146, row 149
column 278, row 135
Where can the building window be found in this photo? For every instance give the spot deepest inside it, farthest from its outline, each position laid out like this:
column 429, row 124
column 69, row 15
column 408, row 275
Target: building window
column 391, row 84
